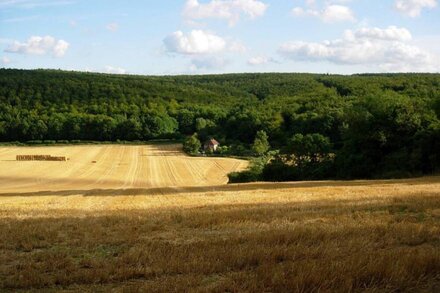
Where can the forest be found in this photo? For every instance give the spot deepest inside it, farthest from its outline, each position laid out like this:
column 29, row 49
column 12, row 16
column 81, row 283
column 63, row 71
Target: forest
column 295, row 126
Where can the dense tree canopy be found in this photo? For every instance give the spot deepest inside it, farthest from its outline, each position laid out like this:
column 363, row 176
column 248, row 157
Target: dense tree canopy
column 364, row 126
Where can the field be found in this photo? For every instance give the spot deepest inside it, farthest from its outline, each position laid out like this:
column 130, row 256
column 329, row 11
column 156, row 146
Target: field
column 108, row 168
column 149, row 219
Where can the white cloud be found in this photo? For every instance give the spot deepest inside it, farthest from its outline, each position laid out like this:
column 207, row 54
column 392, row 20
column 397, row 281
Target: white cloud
column 205, row 50
column 60, row 48
column 392, row 33
column 5, row 60
column 194, row 42
column 37, row 45
column 336, row 13
column 113, row 27
column 299, row 11
column 115, row 70
column 260, row 60
column 413, row 8
column 330, row 14
column 388, row 49
column 230, row 10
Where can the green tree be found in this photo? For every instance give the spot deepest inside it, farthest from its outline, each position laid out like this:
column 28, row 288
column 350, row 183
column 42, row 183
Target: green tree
column 192, row 145
column 309, row 147
column 261, row 144
column 201, row 124
column 130, row 129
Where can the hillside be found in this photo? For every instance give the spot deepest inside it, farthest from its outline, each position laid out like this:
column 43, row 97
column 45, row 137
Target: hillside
column 364, row 126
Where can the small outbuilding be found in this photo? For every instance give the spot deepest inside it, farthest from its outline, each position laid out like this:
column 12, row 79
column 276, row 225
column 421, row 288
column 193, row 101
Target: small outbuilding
column 211, row 145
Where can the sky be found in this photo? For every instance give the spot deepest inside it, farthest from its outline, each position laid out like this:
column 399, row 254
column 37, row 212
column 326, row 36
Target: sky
column 170, row 37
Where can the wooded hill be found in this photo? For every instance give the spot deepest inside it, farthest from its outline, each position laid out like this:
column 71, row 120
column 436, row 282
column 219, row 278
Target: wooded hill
column 325, row 126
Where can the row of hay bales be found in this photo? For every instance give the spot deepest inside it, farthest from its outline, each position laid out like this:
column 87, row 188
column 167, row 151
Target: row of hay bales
column 39, row 158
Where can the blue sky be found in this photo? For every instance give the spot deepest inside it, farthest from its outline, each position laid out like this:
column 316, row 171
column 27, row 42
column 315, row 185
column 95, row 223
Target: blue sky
column 221, row 36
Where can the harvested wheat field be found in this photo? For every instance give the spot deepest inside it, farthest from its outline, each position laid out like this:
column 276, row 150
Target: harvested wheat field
column 110, row 167
column 138, row 235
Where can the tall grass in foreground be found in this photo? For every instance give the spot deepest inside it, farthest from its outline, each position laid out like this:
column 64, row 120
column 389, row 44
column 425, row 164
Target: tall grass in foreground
column 344, row 237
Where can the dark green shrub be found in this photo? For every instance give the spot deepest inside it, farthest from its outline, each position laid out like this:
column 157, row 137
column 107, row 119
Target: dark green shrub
column 243, row 177
column 34, row 142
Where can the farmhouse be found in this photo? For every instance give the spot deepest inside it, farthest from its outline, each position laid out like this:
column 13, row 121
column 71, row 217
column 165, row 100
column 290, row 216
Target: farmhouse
column 211, row 145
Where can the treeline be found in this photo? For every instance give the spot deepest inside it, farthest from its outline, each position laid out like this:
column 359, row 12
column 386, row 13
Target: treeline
column 317, row 126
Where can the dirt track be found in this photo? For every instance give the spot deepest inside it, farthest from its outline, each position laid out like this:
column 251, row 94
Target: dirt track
column 116, row 167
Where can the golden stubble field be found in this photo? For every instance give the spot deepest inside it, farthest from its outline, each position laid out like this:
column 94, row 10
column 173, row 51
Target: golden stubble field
column 110, row 167
column 164, row 228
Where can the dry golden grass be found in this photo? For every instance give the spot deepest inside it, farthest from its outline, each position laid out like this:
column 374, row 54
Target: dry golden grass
column 296, row 237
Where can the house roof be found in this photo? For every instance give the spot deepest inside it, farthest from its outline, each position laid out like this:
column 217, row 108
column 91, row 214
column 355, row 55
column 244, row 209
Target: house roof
column 212, row 142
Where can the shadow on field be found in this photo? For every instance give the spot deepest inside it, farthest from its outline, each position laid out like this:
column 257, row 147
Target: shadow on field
column 230, row 248
column 209, row 189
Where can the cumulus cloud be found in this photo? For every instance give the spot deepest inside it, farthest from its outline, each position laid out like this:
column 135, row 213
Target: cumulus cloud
column 200, row 42
column 413, row 8
column 205, row 50
column 330, row 14
column 115, row 70
column 388, row 49
column 60, row 48
column 194, row 42
column 113, row 27
column 229, row 10
column 37, row 45
column 392, row 33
